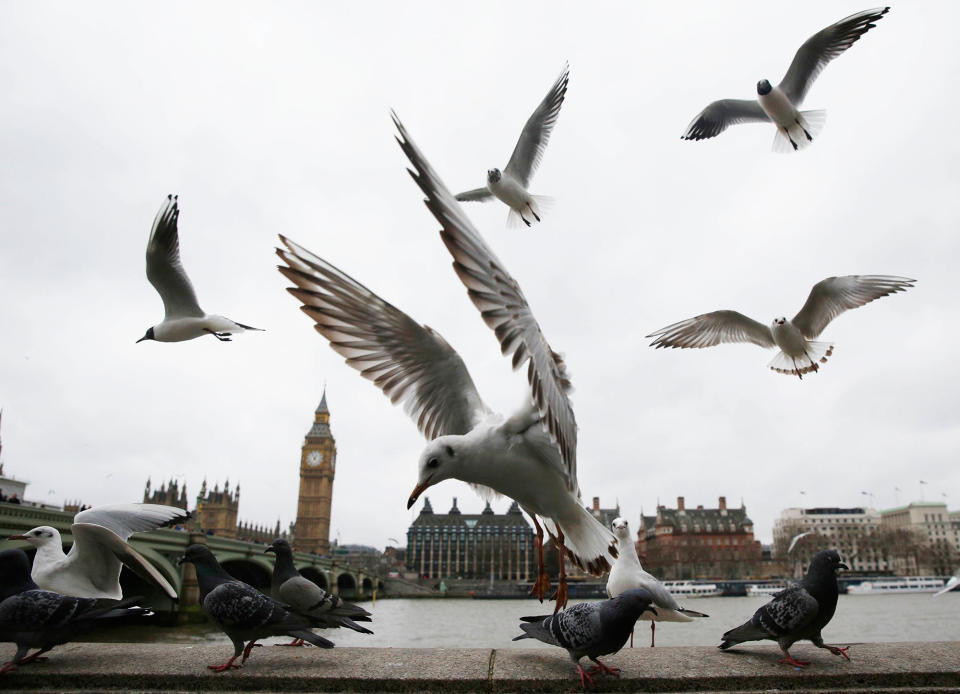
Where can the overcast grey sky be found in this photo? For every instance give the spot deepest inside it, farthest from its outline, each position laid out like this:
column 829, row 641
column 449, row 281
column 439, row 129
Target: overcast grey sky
column 272, row 118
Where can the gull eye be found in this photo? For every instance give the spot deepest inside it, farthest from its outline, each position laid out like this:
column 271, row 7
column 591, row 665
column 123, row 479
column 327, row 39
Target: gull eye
column 450, row 451
column 433, row 463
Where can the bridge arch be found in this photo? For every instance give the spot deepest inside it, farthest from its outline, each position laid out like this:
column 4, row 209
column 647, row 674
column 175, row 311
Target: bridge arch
column 367, row 585
column 347, row 586
column 248, row 570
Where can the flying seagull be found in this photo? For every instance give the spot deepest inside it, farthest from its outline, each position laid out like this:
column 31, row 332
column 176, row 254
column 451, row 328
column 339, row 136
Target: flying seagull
column 799, row 353
column 780, row 105
column 511, row 185
column 307, row 598
column 183, row 318
column 243, row 612
column 529, row 456
column 796, row 539
column 91, row 569
column 42, row 619
column 798, row 612
column 627, row 573
column 590, row 629
column 952, row 583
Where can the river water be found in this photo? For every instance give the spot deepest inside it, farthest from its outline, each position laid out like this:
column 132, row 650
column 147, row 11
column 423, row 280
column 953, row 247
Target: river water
column 466, row 623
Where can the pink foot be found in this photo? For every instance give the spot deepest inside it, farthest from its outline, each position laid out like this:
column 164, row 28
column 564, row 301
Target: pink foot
column 226, row 666
column 795, row 663
column 294, row 643
column 604, row 670
column 8, row 667
column 839, row 651
column 584, row 677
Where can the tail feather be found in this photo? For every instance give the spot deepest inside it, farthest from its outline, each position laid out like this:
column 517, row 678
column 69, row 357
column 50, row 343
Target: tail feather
column 536, row 631
column 530, row 214
column 590, row 544
column 801, row 133
column 745, row 632
column 310, row 637
column 816, row 353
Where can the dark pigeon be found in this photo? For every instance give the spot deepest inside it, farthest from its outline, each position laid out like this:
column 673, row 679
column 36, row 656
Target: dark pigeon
column 591, row 629
column 42, row 619
column 243, row 612
column 798, row 612
column 309, row 599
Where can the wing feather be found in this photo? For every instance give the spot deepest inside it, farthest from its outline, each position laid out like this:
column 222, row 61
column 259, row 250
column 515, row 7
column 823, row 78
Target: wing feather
column 834, row 295
column 164, row 269
column 536, row 132
column 719, row 115
column 475, row 195
column 709, row 329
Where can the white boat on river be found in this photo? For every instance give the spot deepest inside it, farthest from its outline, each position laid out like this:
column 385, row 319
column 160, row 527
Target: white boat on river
column 896, row 585
column 692, row 589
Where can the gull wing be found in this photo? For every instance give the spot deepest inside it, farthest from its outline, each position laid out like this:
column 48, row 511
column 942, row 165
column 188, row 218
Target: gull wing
column 409, row 362
column 164, row 269
column 536, row 132
column 503, row 307
column 709, row 329
column 126, row 519
column 719, row 115
column 834, row 295
column 475, row 195
column 98, row 552
column 823, row 47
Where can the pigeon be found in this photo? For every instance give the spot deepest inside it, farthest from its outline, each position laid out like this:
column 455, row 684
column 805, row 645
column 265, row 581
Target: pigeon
column 91, row 569
column 795, row 129
column 511, row 185
column 798, row 612
column 627, row 574
column 183, row 318
column 529, row 456
column 243, row 612
column 307, row 598
column 799, row 353
column 591, row 629
column 42, row 619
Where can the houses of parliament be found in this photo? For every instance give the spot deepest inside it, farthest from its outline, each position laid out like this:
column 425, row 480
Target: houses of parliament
column 216, row 510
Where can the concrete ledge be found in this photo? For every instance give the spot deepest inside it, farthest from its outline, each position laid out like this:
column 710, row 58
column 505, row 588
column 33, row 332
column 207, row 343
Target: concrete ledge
column 875, row 667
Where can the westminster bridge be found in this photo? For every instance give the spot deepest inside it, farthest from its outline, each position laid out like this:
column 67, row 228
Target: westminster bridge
column 243, row 560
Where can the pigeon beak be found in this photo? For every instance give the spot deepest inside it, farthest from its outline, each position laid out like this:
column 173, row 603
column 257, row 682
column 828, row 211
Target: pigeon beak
column 271, row 548
column 417, row 491
column 182, row 560
column 841, row 565
column 17, row 537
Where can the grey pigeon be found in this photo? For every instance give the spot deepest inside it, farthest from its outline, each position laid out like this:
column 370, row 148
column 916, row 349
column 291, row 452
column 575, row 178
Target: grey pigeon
column 780, row 104
column 798, row 612
column 591, row 629
column 243, row 612
column 42, row 619
column 309, row 599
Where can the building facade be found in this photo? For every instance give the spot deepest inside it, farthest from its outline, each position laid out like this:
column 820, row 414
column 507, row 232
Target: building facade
column 932, row 526
column 167, row 494
column 318, row 461
column 684, row 543
column 850, row 531
column 217, row 509
column 475, row 546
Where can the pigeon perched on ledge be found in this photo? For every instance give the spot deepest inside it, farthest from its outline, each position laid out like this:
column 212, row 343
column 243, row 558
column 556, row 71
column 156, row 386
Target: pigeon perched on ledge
column 798, row 612
column 309, row 599
column 591, row 629
column 243, row 612
column 42, row 619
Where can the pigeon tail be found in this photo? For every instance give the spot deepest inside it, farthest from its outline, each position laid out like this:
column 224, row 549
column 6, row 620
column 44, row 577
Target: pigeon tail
column 310, row 637
column 536, row 631
column 747, row 631
column 590, row 545
column 816, row 354
column 801, row 132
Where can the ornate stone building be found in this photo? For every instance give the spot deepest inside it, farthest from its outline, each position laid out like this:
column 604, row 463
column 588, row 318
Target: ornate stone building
column 168, row 494
column 216, row 510
column 478, row 546
column 318, row 460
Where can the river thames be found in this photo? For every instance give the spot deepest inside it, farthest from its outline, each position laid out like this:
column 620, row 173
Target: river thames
column 467, row 623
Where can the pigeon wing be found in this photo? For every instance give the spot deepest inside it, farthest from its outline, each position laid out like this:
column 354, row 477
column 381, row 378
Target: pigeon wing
column 577, row 628
column 834, row 295
column 789, row 612
column 503, row 307
column 536, row 132
column 236, row 605
column 409, row 362
column 477, row 194
column 720, row 115
column 823, row 47
column 164, row 269
column 709, row 329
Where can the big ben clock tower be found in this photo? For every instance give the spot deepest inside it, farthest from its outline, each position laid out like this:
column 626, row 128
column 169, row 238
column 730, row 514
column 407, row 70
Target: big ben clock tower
column 318, row 459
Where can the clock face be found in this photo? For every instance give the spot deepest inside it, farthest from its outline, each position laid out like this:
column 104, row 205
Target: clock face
column 314, row 458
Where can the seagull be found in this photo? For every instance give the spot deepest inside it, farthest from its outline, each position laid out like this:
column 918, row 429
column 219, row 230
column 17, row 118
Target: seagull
column 511, row 184
column 590, row 629
column 529, row 456
column 799, row 353
column 627, row 573
column 950, row 584
column 42, row 619
column 795, row 129
column 798, row 612
column 796, row 539
column 183, row 318
column 91, row 569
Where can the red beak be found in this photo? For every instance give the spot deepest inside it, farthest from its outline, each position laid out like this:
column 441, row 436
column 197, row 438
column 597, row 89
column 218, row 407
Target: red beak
column 417, row 491
column 17, row 537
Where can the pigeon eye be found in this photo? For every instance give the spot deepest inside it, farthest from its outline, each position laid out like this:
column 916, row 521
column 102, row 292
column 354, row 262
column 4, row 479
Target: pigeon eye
column 433, row 463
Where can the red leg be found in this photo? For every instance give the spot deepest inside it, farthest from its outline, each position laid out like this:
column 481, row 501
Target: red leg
column 604, row 669
column 631, row 638
column 246, row 651
column 295, row 643
column 542, row 584
column 226, row 666
column 584, row 677
column 8, row 667
column 789, row 660
column 561, row 593
column 839, row 651
column 653, row 627
column 36, row 657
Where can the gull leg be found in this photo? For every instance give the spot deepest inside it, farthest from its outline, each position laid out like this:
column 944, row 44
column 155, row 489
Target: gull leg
column 809, row 136
column 631, row 638
column 542, row 584
column 535, row 215
column 653, row 626
column 561, row 593
column 219, row 336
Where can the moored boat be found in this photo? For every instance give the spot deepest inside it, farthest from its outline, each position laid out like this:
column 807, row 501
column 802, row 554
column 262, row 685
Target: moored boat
column 692, row 589
column 899, row 584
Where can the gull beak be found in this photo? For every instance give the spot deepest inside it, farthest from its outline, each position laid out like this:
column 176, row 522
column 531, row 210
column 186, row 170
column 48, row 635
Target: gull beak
column 649, row 608
column 17, row 537
column 181, row 560
column 417, row 491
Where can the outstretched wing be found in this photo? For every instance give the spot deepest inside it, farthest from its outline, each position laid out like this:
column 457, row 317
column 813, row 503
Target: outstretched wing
column 536, row 132
column 719, row 115
column 503, row 307
column 127, row 519
column 709, row 329
column 475, row 195
column 834, row 295
column 823, row 47
column 409, row 362
column 164, row 269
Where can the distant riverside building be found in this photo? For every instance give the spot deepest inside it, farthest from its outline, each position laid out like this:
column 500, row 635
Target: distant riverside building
column 478, row 546
column 843, row 529
column 685, row 543
column 167, row 494
column 938, row 527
